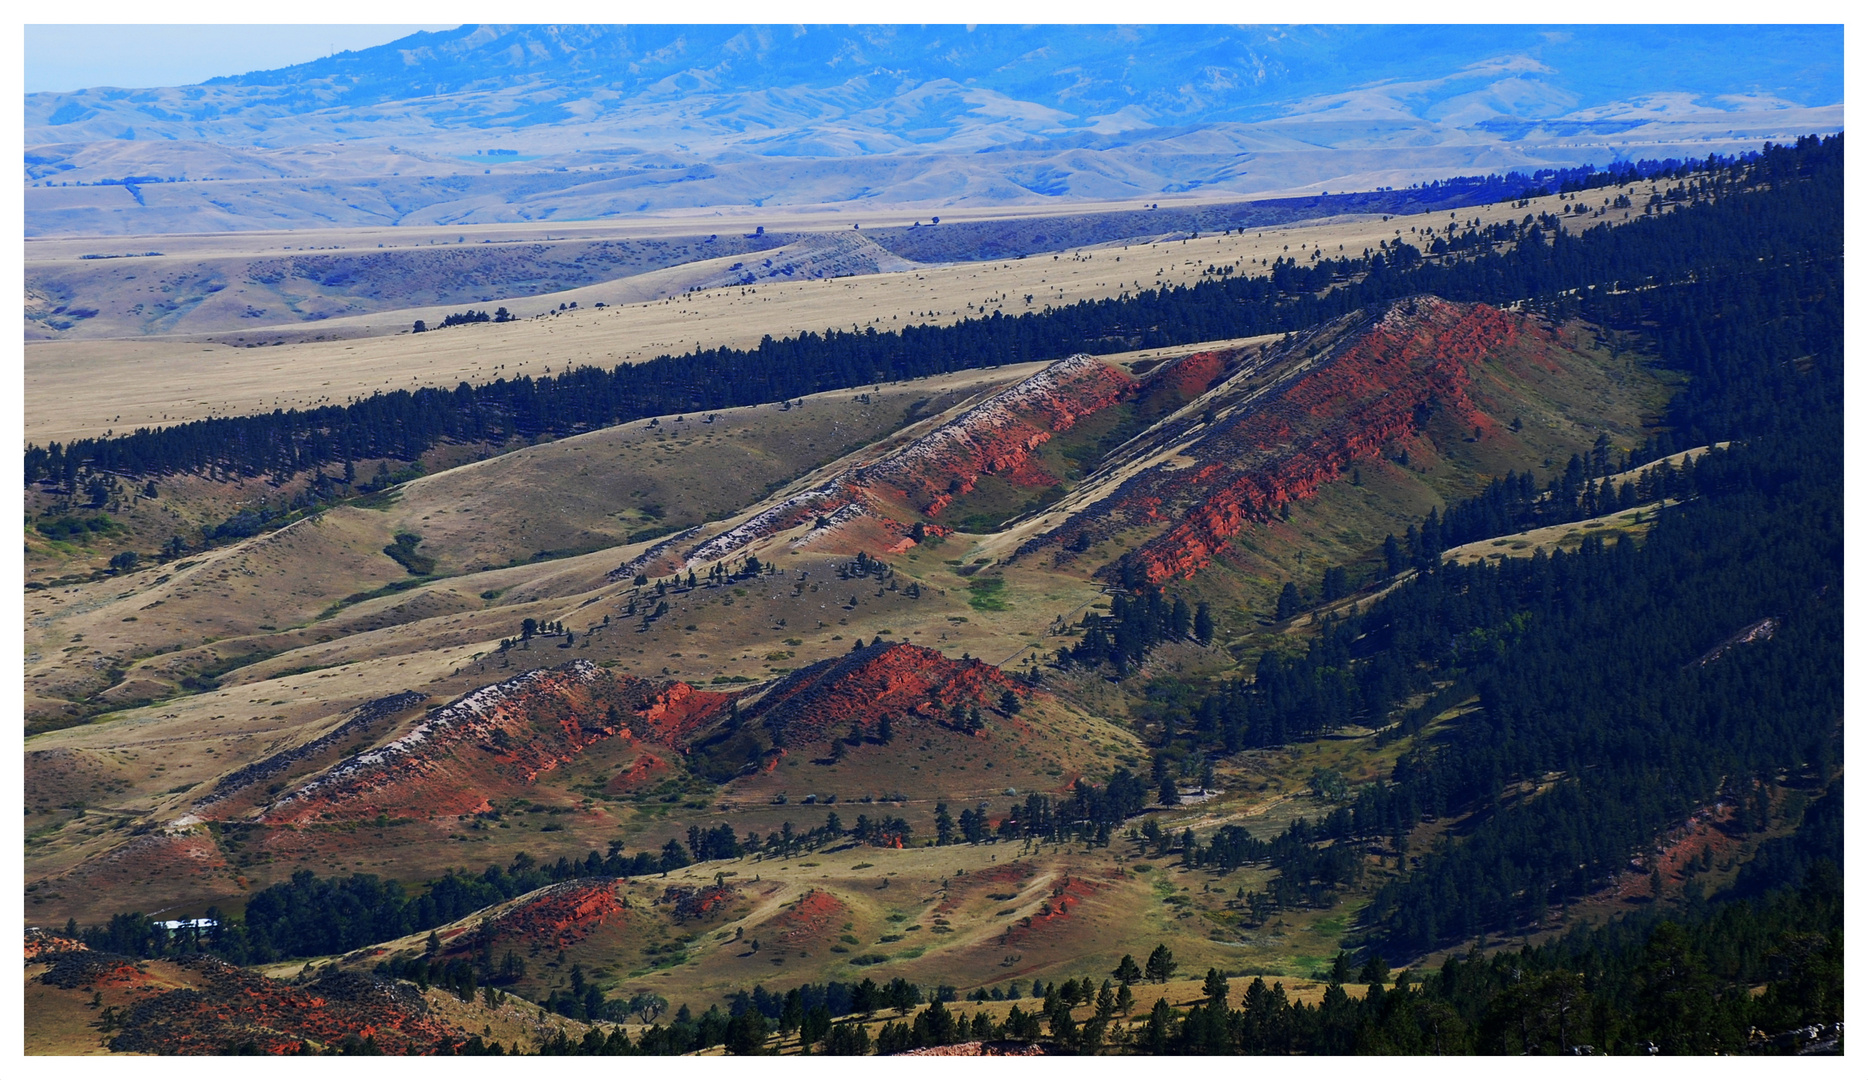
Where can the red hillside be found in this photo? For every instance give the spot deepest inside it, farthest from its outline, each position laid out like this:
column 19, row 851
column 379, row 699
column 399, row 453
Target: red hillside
column 830, row 697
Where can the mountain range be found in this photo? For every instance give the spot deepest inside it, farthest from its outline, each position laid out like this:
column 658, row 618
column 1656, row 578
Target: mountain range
column 557, row 123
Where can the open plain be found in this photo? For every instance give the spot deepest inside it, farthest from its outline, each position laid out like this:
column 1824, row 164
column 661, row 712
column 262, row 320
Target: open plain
column 85, row 387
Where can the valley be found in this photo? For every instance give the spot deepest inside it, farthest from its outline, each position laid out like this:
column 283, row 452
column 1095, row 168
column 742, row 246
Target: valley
column 1341, row 614
column 737, row 607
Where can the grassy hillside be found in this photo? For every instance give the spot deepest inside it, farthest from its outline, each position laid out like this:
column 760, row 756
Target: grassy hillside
column 1004, row 676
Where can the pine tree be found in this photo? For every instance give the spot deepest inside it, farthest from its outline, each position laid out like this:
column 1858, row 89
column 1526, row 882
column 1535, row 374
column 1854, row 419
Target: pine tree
column 746, row 1033
column 1159, row 1028
column 1340, row 971
column 1126, row 972
column 1335, row 584
column 1216, row 987
column 1203, row 623
column 1161, row 965
column 1374, row 972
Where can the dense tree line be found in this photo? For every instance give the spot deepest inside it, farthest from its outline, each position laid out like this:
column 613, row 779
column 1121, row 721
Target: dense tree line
column 1636, row 986
column 1588, row 669
column 1514, row 503
column 1089, row 815
column 465, row 318
column 1763, row 208
column 1613, row 667
column 1139, row 619
column 1606, row 675
column 827, row 1018
column 1712, row 322
column 1759, row 341
column 313, row 916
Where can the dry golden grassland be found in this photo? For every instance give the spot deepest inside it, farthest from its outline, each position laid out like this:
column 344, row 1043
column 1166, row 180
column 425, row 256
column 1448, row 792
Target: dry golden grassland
column 507, row 523
column 84, row 388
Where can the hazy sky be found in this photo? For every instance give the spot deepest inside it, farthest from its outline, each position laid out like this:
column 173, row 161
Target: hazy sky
column 75, row 57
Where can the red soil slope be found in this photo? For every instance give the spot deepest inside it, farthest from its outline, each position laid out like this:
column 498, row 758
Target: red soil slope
column 1370, row 385
column 45, row 943
column 813, row 920
column 1003, row 878
column 498, row 740
column 641, row 773
column 179, row 861
column 863, row 506
column 1052, row 921
column 829, row 697
column 230, row 1006
column 562, row 914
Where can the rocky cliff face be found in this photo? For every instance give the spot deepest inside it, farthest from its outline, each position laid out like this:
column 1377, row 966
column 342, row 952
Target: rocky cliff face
column 999, row 435
column 1282, row 427
column 878, row 501
column 499, row 739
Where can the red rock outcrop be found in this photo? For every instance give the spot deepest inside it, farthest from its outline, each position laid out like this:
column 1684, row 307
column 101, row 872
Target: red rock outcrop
column 830, row 697
column 979, row 1049
column 229, row 1007
column 82, row 968
column 998, row 435
column 1191, row 375
column 496, row 740
column 359, row 722
column 560, row 915
column 1350, row 389
column 45, row 943
column 924, row 476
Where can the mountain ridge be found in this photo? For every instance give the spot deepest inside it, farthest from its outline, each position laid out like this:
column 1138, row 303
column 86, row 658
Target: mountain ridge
column 570, row 123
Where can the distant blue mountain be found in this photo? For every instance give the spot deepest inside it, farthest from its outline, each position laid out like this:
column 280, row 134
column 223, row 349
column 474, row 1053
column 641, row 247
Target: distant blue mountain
column 1177, row 74
column 597, row 121
column 1071, row 75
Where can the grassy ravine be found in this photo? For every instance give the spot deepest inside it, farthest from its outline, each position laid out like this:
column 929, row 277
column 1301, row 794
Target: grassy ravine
column 403, row 551
column 987, row 594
